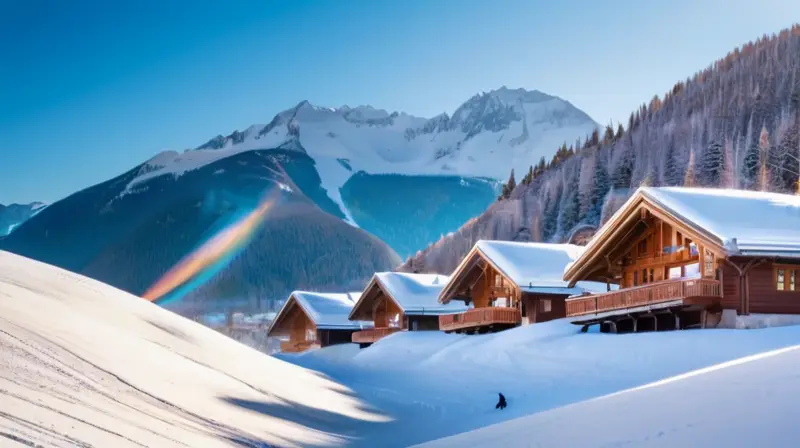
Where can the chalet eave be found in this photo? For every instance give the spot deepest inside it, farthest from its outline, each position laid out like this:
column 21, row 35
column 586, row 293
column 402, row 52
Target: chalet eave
column 357, row 313
column 468, row 262
column 591, row 262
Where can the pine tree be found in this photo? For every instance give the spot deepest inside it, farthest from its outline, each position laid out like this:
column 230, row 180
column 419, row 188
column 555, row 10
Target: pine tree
column 550, row 224
column 602, row 184
column 712, row 164
column 764, row 171
column 620, row 132
column 689, row 179
column 512, row 183
column 672, row 174
column 727, row 175
column 624, row 171
column 571, row 213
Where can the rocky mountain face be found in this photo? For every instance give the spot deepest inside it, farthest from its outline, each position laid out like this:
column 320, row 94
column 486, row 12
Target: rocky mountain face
column 12, row 216
column 735, row 124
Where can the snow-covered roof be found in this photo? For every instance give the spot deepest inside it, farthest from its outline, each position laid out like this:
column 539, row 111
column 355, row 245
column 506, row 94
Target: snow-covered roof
column 417, row 293
column 744, row 222
column 328, row 311
column 740, row 222
column 537, row 267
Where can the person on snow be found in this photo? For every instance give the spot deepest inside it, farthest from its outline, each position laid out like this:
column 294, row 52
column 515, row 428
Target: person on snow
column 502, row 403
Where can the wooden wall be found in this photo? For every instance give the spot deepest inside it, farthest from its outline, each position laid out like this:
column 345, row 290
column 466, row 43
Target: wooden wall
column 300, row 323
column 532, row 304
column 333, row 337
column 383, row 309
column 424, row 323
column 764, row 296
column 731, row 298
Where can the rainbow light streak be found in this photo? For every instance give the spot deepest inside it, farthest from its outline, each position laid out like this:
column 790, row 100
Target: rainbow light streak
column 204, row 262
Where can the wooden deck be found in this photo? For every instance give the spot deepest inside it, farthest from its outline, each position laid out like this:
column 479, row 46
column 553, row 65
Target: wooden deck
column 686, row 291
column 373, row 334
column 480, row 318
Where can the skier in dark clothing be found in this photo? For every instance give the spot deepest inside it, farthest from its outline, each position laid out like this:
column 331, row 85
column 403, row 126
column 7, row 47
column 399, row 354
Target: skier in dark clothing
column 502, row 403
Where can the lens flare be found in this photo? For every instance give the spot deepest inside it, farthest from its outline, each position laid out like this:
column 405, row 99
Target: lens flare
column 205, row 261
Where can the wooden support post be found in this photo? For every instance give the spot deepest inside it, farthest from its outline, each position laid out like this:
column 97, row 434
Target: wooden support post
column 677, row 321
column 635, row 323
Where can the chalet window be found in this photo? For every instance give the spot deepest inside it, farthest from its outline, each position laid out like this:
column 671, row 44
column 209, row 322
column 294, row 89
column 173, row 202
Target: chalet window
column 394, row 321
column 523, row 311
column 651, row 275
column 679, row 239
column 675, row 272
column 498, row 280
column 635, row 278
column 644, row 275
column 709, row 262
column 547, row 305
column 786, row 279
column 311, row 335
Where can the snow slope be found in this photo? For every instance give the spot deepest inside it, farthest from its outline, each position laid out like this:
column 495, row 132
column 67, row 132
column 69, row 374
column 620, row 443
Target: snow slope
column 744, row 403
column 485, row 137
column 435, row 385
column 84, row 364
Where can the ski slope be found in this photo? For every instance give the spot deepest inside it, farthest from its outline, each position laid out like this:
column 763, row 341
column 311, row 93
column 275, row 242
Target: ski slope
column 748, row 402
column 84, row 364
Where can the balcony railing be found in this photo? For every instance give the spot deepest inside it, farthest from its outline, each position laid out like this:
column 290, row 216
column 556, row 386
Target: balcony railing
column 297, row 346
column 373, row 334
column 674, row 257
column 479, row 317
column 644, row 295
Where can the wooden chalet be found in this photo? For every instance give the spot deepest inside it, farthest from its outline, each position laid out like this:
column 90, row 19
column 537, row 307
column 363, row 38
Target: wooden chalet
column 313, row 320
column 398, row 301
column 511, row 283
column 683, row 255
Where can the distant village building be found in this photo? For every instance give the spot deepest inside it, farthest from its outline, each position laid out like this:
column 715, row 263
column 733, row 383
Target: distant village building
column 683, row 255
column 511, row 283
column 311, row 320
column 397, row 301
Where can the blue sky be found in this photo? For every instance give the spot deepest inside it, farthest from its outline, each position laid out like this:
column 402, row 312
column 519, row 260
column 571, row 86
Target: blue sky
column 89, row 89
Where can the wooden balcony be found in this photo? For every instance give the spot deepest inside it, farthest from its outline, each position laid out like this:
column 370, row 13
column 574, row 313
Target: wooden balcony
column 688, row 291
column 297, row 346
column 373, row 334
column 480, row 318
column 675, row 257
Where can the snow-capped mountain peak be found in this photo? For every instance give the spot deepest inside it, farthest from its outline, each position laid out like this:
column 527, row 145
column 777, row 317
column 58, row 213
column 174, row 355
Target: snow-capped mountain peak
column 486, row 136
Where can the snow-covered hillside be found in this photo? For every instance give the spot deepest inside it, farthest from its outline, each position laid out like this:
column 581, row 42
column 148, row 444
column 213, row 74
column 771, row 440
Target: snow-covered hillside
column 435, row 385
column 84, row 364
column 485, row 137
column 743, row 403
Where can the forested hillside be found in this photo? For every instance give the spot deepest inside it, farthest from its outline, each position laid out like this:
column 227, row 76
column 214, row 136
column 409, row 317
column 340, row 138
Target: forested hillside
column 735, row 124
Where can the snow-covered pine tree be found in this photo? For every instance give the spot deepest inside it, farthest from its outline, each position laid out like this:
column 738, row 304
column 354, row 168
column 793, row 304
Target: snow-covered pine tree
column 690, row 180
column 711, row 164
